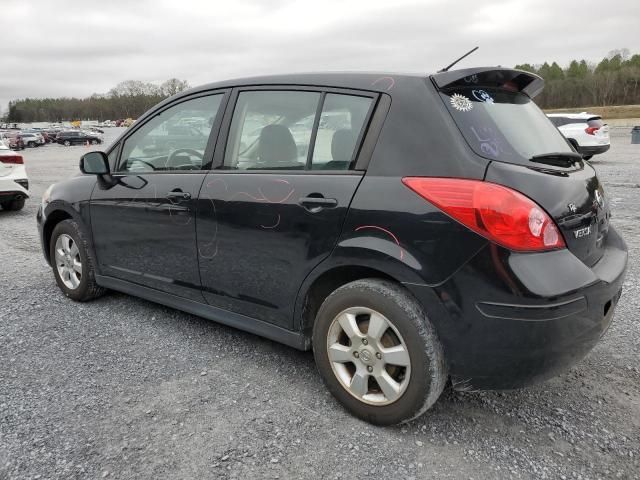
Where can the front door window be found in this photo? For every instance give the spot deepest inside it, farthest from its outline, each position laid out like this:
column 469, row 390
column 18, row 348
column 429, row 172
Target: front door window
column 175, row 139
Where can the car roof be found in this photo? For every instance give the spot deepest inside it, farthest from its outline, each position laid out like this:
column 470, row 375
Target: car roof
column 375, row 81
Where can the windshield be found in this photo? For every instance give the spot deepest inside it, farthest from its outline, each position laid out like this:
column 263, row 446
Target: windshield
column 503, row 125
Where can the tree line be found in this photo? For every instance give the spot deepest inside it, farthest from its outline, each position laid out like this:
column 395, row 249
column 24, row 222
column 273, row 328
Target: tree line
column 615, row 80
column 128, row 99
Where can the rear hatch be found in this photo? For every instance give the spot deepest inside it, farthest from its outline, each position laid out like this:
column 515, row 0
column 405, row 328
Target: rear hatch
column 496, row 116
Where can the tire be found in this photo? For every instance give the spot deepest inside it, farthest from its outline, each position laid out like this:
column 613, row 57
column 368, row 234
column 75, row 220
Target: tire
column 94, row 142
column 14, row 205
column 417, row 385
column 86, row 288
column 587, row 157
column 31, row 144
column 67, row 143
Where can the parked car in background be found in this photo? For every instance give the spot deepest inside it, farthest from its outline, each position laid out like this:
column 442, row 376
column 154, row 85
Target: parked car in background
column 32, row 139
column 50, row 135
column 77, row 137
column 14, row 140
column 406, row 232
column 14, row 183
column 588, row 134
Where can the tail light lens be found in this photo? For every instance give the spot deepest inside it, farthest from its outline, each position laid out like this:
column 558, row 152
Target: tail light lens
column 498, row 213
column 591, row 130
column 13, row 159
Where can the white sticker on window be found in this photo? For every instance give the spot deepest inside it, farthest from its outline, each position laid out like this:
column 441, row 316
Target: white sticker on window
column 460, row 102
column 482, row 96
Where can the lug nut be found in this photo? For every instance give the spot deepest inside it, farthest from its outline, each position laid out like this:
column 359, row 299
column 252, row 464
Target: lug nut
column 356, row 354
column 365, row 341
column 378, row 355
column 370, row 368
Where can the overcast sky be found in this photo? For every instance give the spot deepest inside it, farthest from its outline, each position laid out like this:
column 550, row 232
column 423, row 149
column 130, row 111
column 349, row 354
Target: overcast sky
column 80, row 47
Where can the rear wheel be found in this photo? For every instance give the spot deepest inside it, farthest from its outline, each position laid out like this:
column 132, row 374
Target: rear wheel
column 94, row 142
column 14, row 205
column 67, row 143
column 72, row 264
column 378, row 353
column 31, row 144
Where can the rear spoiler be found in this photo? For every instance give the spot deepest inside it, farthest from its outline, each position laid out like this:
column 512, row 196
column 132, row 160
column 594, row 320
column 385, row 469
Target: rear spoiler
column 509, row 78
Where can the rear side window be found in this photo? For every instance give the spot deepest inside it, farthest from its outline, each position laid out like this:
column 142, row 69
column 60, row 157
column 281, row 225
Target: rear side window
column 503, row 125
column 341, row 123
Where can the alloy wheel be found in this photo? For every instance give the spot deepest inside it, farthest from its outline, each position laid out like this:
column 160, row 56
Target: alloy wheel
column 368, row 356
column 68, row 262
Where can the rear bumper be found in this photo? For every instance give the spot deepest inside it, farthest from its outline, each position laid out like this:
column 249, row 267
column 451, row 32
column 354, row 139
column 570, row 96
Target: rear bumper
column 593, row 150
column 11, row 196
column 509, row 320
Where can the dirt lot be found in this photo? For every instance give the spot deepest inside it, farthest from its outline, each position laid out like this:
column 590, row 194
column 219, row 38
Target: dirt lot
column 123, row 388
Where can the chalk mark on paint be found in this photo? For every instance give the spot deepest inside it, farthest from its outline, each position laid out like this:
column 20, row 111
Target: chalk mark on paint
column 390, row 80
column 388, row 232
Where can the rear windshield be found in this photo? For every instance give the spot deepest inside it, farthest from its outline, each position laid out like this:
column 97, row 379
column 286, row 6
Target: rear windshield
column 503, row 125
column 595, row 122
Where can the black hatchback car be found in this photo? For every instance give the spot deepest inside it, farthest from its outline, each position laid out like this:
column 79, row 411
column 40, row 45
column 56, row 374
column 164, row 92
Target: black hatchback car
column 77, row 137
column 408, row 229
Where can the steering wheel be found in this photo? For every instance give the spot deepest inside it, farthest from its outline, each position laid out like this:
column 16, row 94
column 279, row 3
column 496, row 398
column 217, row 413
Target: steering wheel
column 190, row 151
column 137, row 160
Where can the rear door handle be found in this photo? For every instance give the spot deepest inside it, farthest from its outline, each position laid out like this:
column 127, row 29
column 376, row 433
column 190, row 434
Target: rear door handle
column 178, row 195
column 317, row 203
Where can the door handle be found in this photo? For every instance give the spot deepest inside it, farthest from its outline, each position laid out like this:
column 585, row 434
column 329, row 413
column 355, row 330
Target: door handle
column 316, row 202
column 178, row 195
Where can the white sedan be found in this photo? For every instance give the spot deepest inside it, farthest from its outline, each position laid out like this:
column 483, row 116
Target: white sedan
column 14, row 184
column 588, row 134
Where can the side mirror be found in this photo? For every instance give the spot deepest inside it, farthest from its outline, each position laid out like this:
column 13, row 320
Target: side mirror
column 94, row 163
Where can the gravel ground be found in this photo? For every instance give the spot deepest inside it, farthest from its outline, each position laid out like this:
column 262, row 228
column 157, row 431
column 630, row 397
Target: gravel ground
column 123, row 388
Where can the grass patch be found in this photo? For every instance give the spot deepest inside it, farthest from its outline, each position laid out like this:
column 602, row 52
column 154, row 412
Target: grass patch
column 611, row 112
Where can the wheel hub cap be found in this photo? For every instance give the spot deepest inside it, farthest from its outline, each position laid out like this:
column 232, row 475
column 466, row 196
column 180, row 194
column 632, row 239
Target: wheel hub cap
column 368, row 356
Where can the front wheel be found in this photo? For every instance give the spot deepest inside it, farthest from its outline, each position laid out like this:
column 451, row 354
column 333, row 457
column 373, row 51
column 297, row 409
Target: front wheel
column 72, row 264
column 94, row 142
column 31, row 144
column 378, row 353
column 67, row 143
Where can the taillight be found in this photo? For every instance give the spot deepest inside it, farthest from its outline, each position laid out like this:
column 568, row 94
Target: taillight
column 498, row 213
column 14, row 159
column 591, row 130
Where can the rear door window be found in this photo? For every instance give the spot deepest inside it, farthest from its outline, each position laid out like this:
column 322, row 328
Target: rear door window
column 271, row 130
column 276, row 129
column 503, row 125
column 341, row 123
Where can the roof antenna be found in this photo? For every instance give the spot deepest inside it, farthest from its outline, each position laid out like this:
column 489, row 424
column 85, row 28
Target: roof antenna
column 446, row 69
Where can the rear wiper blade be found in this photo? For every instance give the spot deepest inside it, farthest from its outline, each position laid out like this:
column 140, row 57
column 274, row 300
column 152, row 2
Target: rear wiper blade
column 557, row 159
